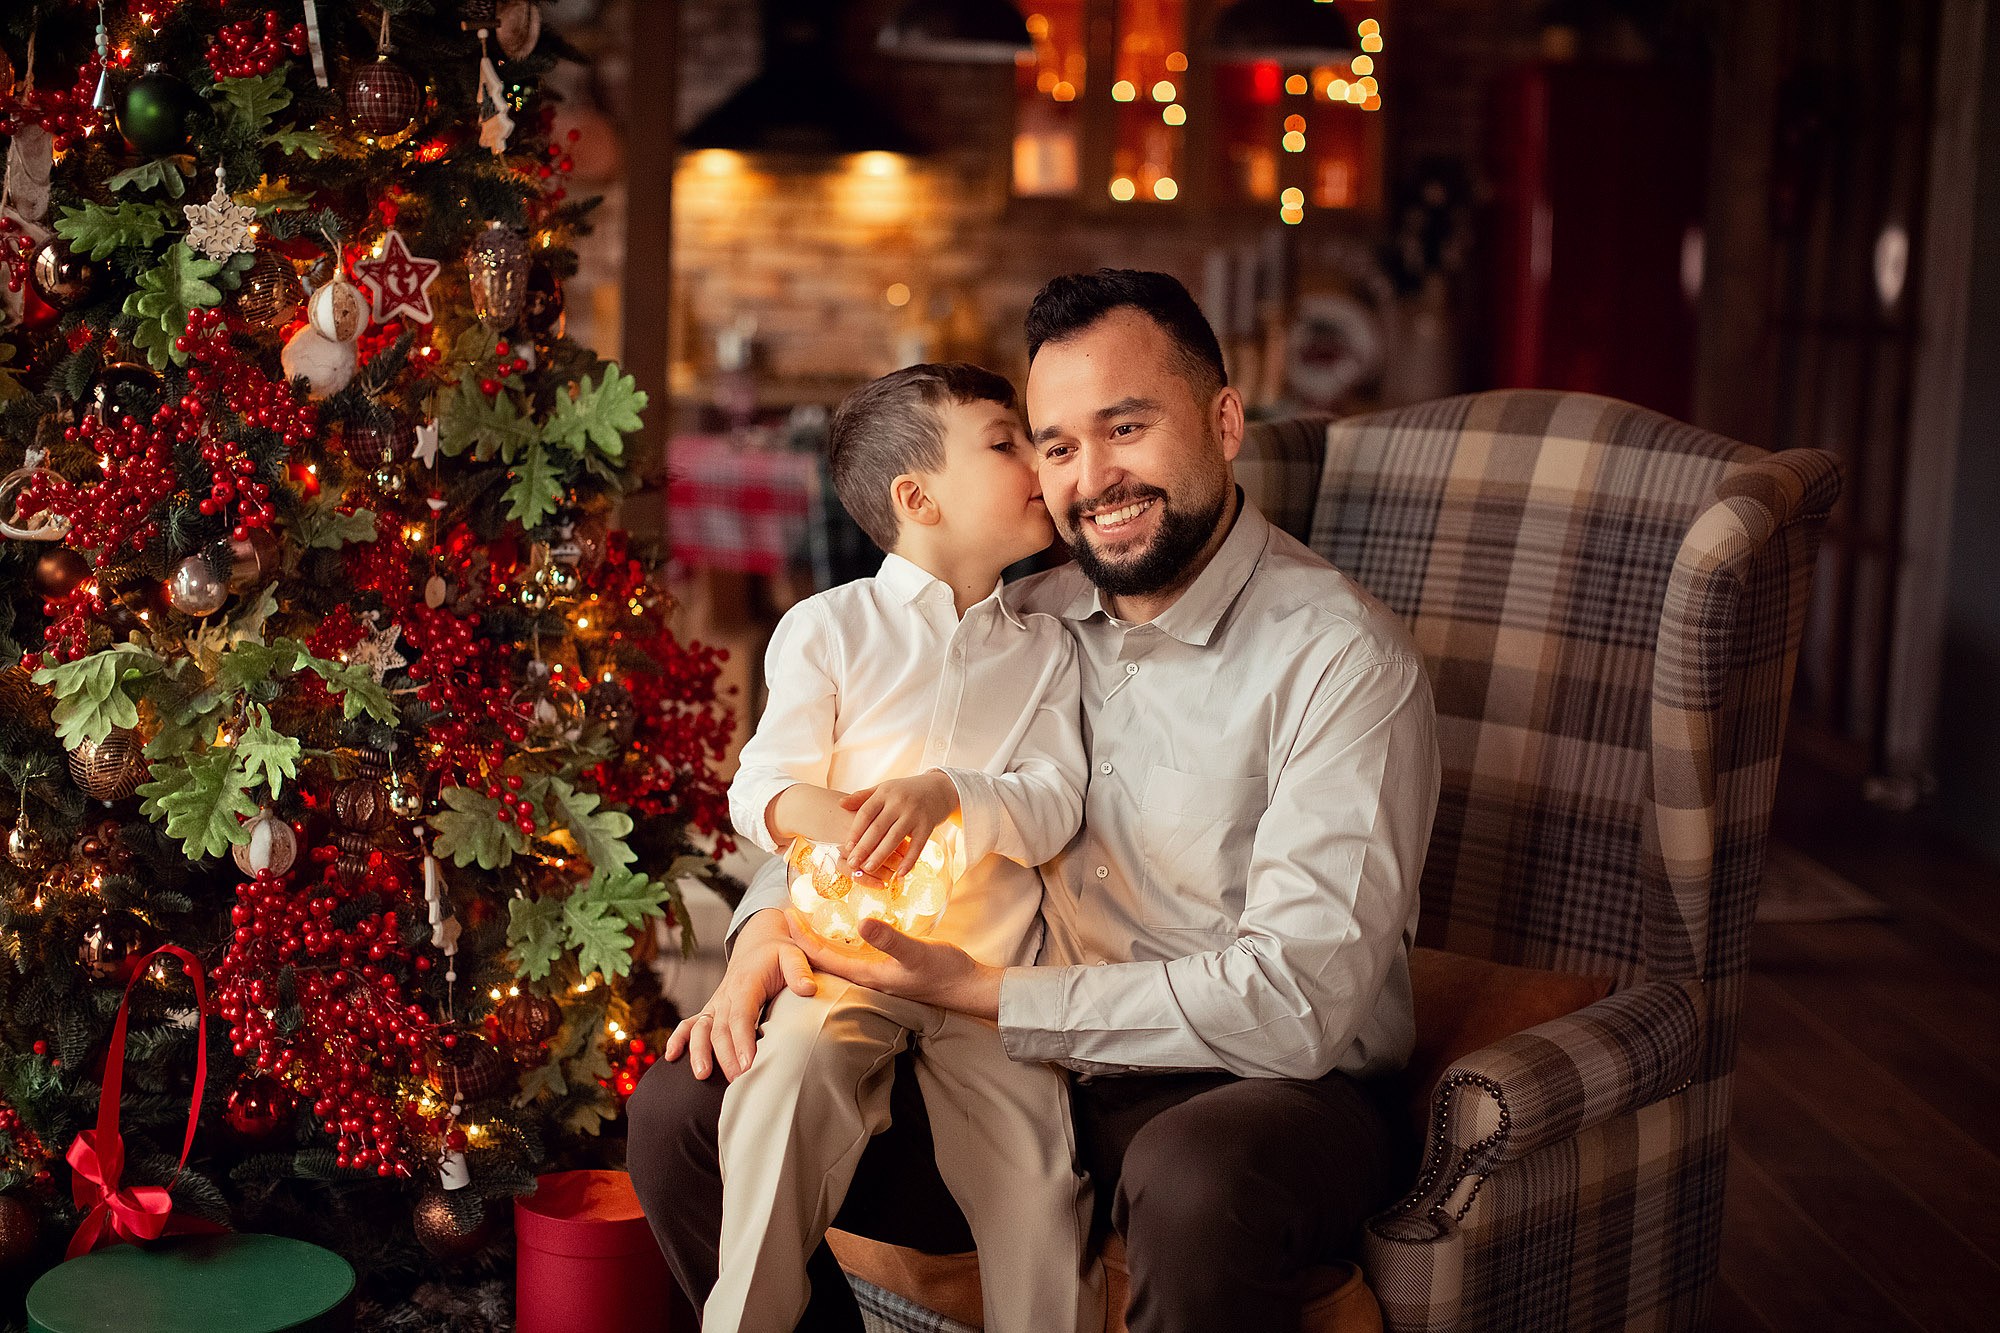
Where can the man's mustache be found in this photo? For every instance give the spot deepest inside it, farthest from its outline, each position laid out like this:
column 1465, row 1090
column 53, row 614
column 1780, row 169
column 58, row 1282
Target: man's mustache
column 1116, row 498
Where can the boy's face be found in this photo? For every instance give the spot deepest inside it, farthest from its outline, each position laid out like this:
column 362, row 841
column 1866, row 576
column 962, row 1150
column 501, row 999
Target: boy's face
column 987, row 492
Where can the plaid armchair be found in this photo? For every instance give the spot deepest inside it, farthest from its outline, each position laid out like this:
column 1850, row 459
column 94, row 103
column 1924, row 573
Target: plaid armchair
column 1610, row 604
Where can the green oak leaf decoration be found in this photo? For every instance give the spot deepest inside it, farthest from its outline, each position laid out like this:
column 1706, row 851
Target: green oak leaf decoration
column 470, row 832
column 597, row 415
column 534, row 933
column 168, row 293
column 205, row 801
column 93, row 693
column 99, row 231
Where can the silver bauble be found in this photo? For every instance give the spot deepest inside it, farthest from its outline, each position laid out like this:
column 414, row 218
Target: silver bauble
column 560, row 580
column 25, row 847
column 194, row 588
column 406, row 798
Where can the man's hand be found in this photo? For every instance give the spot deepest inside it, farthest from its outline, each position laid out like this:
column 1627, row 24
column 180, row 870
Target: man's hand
column 897, row 814
column 764, row 962
column 929, row 971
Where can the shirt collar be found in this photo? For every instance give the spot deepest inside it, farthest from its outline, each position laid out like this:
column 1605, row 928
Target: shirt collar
column 1196, row 612
column 907, row 581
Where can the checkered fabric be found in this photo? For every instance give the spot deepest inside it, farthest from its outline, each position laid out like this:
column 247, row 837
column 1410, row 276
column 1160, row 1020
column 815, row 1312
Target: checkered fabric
column 738, row 508
column 1278, row 470
column 1610, row 605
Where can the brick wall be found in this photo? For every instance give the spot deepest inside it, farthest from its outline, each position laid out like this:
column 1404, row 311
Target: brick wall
column 812, row 251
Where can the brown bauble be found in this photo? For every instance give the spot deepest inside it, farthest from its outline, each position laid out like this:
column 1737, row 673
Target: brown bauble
column 612, row 704
column 469, row 1070
column 110, row 769
column 62, row 277
column 20, row 1231
column 23, row 700
column 441, row 1233
column 270, row 294
column 361, row 804
column 112, row 945
column 528, row 1020
column 253, row 560
column 384, row 100
column 58, row 570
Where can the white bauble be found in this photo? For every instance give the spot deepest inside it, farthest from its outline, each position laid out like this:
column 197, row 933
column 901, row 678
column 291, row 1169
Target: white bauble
column 325, row 365
column 337, row 310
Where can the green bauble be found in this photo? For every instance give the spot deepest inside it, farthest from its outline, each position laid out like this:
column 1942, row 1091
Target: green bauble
column 152, row 115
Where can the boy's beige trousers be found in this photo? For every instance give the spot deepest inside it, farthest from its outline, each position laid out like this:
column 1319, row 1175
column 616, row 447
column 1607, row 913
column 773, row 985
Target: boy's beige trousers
column 794, row 1124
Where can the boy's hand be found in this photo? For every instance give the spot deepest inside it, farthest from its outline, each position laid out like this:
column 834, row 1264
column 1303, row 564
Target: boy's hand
column 764, row 962
column 897, row 815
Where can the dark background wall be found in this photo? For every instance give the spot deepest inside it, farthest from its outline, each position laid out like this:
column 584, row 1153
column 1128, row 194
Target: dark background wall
column 1969, row 721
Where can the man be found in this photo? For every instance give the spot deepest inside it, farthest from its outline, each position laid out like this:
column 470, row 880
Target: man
column 1226, row 965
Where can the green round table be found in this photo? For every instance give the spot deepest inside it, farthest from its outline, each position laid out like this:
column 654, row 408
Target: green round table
column 197, row 1284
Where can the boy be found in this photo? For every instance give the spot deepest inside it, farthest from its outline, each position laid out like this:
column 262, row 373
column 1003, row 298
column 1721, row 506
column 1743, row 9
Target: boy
column 897, row 703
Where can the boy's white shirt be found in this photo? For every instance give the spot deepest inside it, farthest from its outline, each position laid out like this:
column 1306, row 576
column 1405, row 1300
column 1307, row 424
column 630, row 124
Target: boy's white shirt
column 880, row 679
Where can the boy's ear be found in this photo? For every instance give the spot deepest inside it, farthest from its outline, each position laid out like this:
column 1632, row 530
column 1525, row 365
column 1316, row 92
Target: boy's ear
column 912, row 503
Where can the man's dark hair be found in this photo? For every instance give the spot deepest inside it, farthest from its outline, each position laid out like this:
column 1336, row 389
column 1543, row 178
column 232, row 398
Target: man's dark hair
column 1068, row 305
column 891, row 426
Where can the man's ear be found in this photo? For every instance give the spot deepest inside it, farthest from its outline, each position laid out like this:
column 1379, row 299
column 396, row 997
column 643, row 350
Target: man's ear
column 912, row 503
column 1228, row 418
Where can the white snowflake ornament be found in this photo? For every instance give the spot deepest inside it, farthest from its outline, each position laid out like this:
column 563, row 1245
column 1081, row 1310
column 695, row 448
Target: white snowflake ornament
column 221, row 227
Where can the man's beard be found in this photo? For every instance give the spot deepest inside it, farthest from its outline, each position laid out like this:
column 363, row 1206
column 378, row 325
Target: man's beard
column 1164, row 562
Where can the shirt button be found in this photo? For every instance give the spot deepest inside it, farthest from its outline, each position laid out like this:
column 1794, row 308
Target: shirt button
column 1103, row 871
column 1104, row 769
column 1131, row 668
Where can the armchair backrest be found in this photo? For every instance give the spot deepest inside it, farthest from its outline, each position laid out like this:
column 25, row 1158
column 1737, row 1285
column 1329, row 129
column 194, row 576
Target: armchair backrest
column 1610, row 604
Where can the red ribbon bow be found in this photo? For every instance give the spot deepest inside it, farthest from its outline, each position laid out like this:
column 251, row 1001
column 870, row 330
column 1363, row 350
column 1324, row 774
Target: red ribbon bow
column 114, row 1211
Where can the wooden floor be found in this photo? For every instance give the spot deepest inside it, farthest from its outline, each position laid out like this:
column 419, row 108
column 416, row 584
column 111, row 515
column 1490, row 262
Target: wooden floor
column 1864, row 1178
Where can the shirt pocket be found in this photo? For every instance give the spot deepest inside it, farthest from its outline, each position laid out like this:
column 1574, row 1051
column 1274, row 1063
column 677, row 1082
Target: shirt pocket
column 1197, row 830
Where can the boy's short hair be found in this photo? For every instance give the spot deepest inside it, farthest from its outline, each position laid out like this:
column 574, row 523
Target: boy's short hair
column 891, row 426
column 1071, row 303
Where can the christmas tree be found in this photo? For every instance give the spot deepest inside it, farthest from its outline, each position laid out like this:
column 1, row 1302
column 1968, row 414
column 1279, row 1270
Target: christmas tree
column 324, row 662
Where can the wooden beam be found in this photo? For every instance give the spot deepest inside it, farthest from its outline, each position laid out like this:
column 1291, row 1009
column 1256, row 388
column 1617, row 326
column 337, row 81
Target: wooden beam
column 651, row 137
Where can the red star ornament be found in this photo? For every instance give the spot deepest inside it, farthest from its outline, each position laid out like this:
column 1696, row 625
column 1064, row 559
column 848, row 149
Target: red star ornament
column 398, row 282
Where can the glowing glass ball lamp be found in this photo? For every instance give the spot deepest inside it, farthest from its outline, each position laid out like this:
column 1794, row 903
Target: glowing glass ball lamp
column 835, row 901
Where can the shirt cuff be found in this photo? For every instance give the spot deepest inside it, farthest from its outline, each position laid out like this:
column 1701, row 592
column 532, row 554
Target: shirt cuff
column 978, row 811
column 750, row 804
column 768, row 888
column 1031, row 1009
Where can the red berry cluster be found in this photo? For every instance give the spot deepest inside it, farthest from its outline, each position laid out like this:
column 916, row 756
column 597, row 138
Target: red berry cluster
column 360, row 1032
column 625, row 1077
column 683, row 729
column 66, row 113
column 457, row 678
column 28, row 1149
column 250, row 47
column 559, row 160
column 219, row 372
column 137, row 457
column 67, row 635
column 17, row 251
column 137, row 460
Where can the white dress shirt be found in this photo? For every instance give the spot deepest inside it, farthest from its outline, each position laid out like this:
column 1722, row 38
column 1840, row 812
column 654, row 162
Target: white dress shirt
column 1263, row 775
column 880, row 679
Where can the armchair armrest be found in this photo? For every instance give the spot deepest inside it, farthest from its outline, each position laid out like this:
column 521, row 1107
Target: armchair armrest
column 1546, row 1084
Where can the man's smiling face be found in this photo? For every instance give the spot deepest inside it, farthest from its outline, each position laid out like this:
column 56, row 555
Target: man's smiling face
column 1134, row 456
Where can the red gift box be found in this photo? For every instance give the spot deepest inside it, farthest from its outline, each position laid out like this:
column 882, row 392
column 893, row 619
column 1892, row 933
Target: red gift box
column 585, row 1260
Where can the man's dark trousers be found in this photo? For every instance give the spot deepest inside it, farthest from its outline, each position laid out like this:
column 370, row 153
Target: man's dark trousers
column 1224, row 1188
